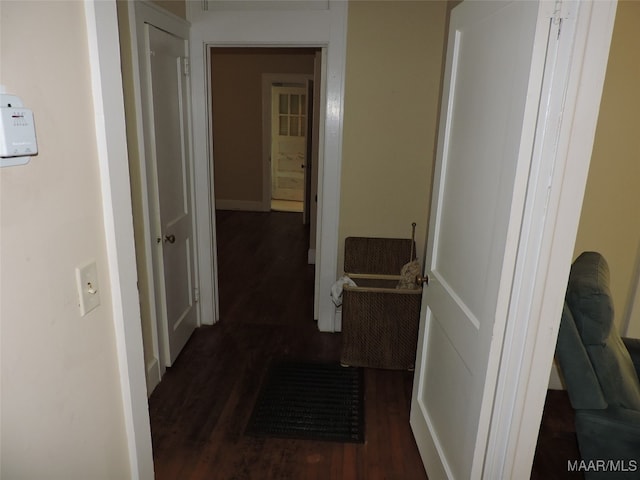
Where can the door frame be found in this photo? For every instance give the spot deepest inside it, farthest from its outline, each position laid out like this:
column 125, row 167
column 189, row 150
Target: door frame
column 563, row 211
column 108, row 101
column 139, row 14
column 268, row 79
column 314, row 28
column 552, row 214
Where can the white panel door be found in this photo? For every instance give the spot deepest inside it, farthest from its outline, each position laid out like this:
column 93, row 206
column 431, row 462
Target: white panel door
column 174, row 259
column 484, row 149
column 288, row 142
column 308, row 165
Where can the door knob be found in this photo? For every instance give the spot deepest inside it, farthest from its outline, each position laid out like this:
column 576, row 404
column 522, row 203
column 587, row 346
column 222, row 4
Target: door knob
column 420, row 280
column 170, row 238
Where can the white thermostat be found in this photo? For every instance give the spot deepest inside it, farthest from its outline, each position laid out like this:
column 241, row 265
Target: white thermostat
column 17, row 132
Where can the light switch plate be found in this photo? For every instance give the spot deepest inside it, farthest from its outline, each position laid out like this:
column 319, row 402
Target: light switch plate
column 87, row 284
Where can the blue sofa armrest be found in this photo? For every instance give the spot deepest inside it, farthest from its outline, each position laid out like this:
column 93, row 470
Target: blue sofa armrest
column 633, row 345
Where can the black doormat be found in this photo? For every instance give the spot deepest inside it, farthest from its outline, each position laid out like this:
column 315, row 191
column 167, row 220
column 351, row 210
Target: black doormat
column 310, row 401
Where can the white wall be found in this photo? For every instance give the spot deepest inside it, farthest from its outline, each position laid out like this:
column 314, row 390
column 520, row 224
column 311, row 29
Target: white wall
column 62, row 415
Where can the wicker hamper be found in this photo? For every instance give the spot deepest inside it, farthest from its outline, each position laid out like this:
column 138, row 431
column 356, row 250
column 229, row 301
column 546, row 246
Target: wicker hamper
column 379, row 322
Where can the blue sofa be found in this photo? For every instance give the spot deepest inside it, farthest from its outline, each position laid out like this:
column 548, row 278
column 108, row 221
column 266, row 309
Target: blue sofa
column 601, row 372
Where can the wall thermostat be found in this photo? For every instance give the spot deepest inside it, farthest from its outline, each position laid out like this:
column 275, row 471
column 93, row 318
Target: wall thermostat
column 17, row 132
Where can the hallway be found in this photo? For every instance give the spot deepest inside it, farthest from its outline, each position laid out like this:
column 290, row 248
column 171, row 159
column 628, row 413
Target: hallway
column 200, row 409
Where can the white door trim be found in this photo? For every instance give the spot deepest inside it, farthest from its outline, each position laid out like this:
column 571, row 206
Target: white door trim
column 269, row 79
column 108, row 102
column 304, row 28
column 552, row 215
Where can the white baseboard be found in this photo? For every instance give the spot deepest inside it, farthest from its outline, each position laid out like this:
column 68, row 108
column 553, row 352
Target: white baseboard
column 555, row 379
column 242, row 205
column 311, row 256
column 153, row 375
column 338, row 319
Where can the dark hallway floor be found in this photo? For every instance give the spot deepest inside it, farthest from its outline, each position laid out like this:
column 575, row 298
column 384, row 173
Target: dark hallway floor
column 201, row 408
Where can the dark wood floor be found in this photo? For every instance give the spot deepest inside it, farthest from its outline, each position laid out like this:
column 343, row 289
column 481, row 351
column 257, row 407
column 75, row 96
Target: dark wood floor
column 557, row 443
column 201, row 408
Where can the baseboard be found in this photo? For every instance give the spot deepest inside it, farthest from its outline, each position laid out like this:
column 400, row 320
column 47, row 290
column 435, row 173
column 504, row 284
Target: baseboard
column 338, row 320
column 311, row 256
column 153, row 375
column 555, row 379
column 241, row 205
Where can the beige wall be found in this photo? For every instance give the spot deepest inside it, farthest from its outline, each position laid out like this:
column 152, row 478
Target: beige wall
column 62, row 415
column 177, row 7
column 610, row 222
column 237, row 114
column 393, row 73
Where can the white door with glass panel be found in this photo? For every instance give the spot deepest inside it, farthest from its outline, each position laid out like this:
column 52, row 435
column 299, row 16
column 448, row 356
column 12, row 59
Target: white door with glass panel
column 174, row 247
column 487, row 127
column 288, row 142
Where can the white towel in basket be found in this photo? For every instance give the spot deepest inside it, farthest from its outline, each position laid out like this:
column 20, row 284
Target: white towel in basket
column 336, row 289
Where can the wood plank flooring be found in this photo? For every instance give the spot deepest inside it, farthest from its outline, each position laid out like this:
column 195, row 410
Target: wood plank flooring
column 201, row 408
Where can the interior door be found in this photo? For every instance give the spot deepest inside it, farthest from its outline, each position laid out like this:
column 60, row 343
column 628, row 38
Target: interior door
column 308, row 170
column 485, row 143
column 174, row 254
column 288, row 142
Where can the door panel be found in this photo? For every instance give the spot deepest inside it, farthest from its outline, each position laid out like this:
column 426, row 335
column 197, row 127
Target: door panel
column 175, row 271
column 447, row 395
column 474, row 227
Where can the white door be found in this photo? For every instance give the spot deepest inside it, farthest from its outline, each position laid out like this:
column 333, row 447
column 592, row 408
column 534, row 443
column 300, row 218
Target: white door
column 485, row 143
column 308, row 166
column 288, row 142
column 174, row 253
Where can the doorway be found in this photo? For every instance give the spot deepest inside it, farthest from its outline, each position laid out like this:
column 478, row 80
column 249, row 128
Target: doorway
column 161, row 167
column 265, row 148
column 288, row 150
column 308, row 169
column 169, row 159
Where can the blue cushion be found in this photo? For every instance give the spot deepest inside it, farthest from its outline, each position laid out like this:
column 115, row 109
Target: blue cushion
column 579, row 378
column 589, row 299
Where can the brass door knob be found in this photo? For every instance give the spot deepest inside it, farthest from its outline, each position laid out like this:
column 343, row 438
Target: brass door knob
column 420, row 280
